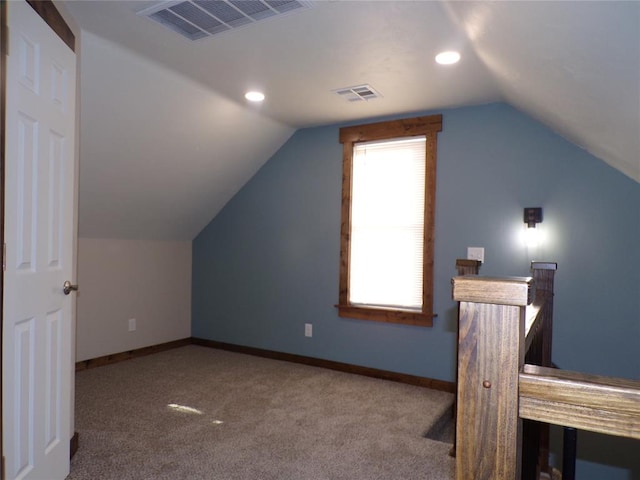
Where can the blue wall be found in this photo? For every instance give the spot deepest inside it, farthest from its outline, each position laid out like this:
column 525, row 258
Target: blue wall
column 268, row 263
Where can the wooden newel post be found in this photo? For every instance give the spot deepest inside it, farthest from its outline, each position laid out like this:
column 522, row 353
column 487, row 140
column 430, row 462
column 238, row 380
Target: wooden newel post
column 543, row 275
column 537, row 434
column 464, row 266
column 490, row 355
column 467, row 267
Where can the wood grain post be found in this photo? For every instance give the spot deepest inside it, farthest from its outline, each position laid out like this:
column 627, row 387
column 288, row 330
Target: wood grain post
column 467, row 267
column 464, row 266
column 490, row 355
column 543, row 274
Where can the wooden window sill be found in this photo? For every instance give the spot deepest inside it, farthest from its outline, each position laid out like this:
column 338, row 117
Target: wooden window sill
column 389, row 316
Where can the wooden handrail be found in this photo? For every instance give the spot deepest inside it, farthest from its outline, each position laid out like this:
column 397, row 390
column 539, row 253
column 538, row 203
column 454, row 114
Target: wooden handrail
column 533, row 320
column 587, row 402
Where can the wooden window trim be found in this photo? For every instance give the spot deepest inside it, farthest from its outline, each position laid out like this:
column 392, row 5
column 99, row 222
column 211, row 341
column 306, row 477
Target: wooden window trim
column 428, row 126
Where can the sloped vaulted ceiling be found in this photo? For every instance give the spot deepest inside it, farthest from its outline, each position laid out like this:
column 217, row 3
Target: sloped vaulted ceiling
column 167, row 139
column 575, row 66
column 160, row 154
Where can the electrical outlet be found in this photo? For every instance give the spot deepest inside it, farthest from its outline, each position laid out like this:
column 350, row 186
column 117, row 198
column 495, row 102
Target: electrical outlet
column 308, row 330
column 475, row 253
column 132, row 324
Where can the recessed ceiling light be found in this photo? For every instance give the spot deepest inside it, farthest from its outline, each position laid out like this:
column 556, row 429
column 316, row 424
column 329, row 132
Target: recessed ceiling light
column 254, row 96
column 448, row 58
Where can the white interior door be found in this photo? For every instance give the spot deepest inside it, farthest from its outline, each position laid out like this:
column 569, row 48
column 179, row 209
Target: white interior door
column 39, row 216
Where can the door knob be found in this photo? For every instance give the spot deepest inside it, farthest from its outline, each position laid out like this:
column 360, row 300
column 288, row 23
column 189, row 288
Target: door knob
column 67, row 288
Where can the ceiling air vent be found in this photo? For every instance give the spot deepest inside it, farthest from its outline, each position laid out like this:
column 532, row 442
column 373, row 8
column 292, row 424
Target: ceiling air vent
column 358, row 93
column 196, row 19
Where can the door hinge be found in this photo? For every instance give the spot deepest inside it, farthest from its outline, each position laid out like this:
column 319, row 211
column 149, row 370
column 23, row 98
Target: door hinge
column 4, row 257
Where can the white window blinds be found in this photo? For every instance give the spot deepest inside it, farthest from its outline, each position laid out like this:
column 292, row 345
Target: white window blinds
column 387, row 224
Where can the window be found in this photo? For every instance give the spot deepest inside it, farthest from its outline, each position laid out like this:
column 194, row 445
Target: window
column 388, row 206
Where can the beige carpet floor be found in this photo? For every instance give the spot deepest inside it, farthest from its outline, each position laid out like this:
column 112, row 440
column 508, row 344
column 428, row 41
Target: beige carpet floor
column 200, row 413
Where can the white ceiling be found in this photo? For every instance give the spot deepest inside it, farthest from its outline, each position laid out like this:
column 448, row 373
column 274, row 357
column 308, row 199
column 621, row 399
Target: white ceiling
column 167, row 137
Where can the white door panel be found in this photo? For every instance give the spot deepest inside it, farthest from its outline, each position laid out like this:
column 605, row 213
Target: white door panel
column 39, row 208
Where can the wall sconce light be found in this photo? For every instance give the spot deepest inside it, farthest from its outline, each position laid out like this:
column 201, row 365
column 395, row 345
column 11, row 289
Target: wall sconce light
column 532, row 216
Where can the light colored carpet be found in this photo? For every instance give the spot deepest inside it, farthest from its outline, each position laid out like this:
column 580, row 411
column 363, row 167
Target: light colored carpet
column 251, row 418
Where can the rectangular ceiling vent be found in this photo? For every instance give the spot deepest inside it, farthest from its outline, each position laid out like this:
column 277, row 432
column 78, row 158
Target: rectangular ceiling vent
column 358, row 93
column 196, row 19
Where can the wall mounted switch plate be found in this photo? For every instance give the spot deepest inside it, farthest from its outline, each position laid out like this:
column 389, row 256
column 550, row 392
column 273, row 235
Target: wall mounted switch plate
column 475, row 253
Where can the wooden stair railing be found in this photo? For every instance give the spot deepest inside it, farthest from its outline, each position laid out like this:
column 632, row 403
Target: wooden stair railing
column 579, row 400
column 501, row 329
